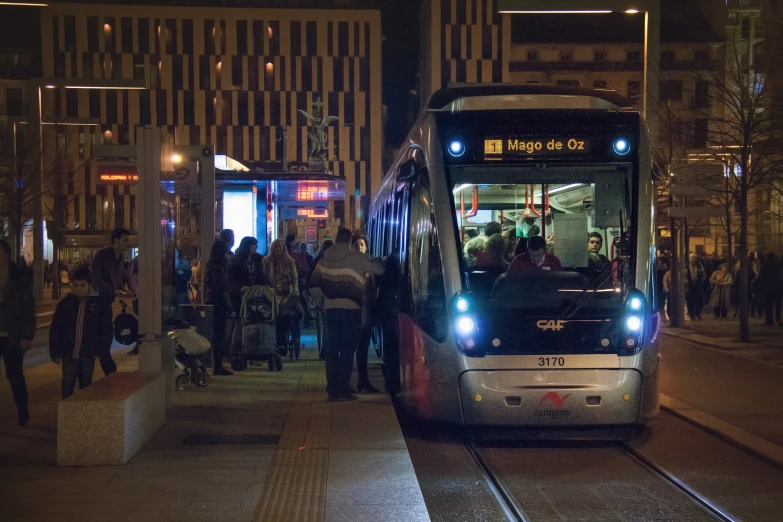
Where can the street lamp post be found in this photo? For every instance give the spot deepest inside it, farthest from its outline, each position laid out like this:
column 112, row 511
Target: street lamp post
column 651, row 10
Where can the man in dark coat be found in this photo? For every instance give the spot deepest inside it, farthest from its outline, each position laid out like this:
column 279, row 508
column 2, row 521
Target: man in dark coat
column 17, row 327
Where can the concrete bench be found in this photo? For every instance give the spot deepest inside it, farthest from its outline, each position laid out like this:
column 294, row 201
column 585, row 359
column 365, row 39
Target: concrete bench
column 109, row 422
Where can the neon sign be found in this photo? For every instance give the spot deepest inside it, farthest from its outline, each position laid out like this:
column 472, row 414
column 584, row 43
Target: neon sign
column 312, row 213
column 312, row 192
column 118, row 178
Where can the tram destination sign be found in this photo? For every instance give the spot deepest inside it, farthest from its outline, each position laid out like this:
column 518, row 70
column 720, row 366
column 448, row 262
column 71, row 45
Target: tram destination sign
column 496, row 148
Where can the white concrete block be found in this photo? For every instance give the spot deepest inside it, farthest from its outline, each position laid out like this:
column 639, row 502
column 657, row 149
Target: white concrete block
column 109, row 422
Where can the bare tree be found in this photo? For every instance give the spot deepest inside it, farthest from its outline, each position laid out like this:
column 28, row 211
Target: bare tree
column 744, row 139
column 57, row 196
column 21, row 174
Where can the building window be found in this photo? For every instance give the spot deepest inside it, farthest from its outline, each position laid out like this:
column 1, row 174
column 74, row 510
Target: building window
column 187, row 37
column 701, row 99
column 14, row 99
column 671, row 90
column 242, row 37
column 701, row 56
column 70, row 33
column 700, row 133
column 634, row 91
column 599, row 56
column 745, row 27
column 568, row 83
column 565, row 56
column 126, row 24
column 144, row 35
column 667, row 55
column 532, row 56
column 599, row 84
column 71, row 103
column 633, row 56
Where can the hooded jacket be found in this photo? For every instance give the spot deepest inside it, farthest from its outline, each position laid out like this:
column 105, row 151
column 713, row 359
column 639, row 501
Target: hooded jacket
column 95, row 331
column 340, row 277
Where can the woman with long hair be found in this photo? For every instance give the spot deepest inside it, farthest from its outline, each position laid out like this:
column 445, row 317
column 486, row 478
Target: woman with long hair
column 281, row 276
column 360, row 244
column 720, row 299
column 280, row 265
column 218, row 295
column 17, row 327
column 245, row 270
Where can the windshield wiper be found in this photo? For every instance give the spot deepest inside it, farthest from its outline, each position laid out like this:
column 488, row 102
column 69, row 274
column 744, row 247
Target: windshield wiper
column 587, row 293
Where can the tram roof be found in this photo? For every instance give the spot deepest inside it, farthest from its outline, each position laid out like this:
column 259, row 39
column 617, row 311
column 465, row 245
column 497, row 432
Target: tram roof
column 441, row 99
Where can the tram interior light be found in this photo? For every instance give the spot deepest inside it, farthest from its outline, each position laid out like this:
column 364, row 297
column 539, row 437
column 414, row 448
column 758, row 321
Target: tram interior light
column 634, row 323
column 456, row 148
column 622, row 146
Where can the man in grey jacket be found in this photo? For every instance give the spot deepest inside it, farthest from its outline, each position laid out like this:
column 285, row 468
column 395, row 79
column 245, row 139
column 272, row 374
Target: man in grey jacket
column 340, row 278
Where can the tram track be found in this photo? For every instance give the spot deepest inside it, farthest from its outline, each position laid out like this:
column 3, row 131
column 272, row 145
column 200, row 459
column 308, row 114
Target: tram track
column 515, row 512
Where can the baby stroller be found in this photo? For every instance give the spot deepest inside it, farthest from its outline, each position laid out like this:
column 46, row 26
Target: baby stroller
column 190, row 345
column 288, row 331
column 257, row 315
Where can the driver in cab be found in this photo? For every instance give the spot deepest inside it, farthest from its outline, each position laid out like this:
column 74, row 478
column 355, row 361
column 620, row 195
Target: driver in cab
column 535, row 259
column 596, row 261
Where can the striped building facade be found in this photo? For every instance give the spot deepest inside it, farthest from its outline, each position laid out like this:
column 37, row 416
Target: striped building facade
column 463, row 41
column 234, row 78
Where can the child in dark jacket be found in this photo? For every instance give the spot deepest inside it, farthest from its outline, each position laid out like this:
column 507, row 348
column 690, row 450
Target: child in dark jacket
column 81, row 330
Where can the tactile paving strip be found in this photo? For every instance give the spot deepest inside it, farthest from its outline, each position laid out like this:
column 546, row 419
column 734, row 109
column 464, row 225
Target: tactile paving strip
column 295, row 489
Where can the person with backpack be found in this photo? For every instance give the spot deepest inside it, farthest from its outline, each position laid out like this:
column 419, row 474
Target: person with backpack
column 340, row 278
column 81, row 330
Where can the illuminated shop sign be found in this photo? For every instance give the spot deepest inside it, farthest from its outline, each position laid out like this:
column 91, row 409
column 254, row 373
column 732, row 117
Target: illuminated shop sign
column 118, row 178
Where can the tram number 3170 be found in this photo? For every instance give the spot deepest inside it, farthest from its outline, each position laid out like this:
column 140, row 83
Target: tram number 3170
column 551, row 361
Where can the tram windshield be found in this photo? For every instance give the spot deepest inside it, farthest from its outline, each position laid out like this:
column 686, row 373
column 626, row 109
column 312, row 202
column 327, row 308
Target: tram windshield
column 539, row 241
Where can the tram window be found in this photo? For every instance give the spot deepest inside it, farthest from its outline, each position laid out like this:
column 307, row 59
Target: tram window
column 427, row 294
column 496, row 218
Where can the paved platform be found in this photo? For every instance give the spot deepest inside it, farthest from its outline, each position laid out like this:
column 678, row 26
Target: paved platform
column 725, row 391
column 257, row 446
column 766, row 344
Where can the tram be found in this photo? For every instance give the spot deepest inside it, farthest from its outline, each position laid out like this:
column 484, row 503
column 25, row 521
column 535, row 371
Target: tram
column 517, row 224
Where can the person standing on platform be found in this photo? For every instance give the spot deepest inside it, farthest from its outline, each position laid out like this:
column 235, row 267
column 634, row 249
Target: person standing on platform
column 246, row 269
column 17, row 327
column 227, row 236
column 695, row 276
column 360, row 244
column 218, row 295
column 108, row 272
column 340, row 277
column 81, row 331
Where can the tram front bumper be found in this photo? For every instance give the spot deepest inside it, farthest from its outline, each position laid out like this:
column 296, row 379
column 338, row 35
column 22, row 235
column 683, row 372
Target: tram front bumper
column 556, row 398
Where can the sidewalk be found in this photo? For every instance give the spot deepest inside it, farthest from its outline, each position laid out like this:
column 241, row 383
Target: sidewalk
column 257, row 446
column 766, row 343
column 44, row 309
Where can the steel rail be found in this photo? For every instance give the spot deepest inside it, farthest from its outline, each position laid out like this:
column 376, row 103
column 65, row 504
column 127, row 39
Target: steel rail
column 715, row 511
column 505, row 500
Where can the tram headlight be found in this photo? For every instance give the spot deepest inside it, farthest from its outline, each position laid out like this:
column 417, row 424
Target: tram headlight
column 636, row 303
column 621, row 146
column 456, row 148
column 634, row 323
column 461, row 304
column 466, row 325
